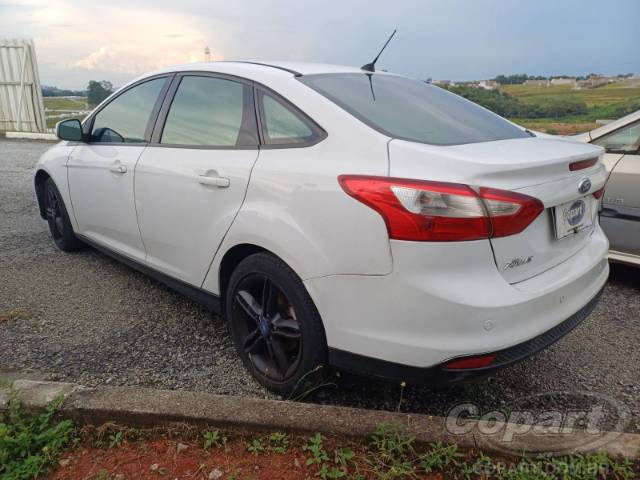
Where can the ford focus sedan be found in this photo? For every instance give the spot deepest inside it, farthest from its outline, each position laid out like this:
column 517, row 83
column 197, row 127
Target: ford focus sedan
column 337, row 217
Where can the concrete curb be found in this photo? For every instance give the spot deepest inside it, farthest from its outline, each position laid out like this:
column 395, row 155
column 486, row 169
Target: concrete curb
column 32, row 136
column 149, row 407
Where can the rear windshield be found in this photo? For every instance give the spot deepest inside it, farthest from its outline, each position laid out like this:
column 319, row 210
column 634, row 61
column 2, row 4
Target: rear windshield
column 412, row 110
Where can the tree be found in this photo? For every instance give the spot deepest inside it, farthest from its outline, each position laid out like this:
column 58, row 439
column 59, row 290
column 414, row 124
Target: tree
column 98, row 91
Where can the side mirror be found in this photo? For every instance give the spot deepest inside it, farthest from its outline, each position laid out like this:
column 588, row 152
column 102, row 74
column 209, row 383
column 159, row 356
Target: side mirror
column 69, row 130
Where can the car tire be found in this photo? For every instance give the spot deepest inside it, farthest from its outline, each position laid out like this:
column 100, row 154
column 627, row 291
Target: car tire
column 275, row 326
column 58, row 219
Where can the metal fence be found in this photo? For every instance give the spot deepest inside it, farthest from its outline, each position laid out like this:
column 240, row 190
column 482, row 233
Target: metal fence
column 21, row 106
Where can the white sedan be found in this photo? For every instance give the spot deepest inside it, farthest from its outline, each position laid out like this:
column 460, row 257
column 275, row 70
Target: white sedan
column 337, row 217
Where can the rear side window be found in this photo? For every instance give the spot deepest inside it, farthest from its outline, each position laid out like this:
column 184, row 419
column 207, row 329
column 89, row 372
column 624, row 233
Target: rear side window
column 283, row 125
column 412, row 110
column 125, row 119
column 211, row 111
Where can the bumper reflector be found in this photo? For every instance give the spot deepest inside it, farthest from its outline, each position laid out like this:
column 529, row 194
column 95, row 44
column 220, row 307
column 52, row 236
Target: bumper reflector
column 480, row 361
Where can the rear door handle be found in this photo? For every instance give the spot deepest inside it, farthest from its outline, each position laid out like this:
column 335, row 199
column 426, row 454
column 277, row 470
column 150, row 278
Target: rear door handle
column 118, row 168
column 215, row 181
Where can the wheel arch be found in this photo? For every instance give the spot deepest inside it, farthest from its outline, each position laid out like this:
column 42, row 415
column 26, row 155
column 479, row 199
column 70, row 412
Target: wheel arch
column 39, row 180
column 231, row 260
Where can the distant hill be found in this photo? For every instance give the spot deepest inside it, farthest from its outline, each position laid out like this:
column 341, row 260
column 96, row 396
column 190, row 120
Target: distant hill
column 49, row 91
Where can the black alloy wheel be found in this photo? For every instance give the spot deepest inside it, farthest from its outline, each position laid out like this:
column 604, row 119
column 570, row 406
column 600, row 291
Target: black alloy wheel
column 271, row 332
column 275, row 326
column 58, row 219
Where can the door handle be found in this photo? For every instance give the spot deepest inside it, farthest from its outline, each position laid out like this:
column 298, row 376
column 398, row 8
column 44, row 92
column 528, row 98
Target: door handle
column 215, row 181
column 118, row 168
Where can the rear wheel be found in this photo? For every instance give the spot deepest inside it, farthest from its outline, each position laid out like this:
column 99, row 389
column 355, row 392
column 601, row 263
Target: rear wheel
column 275, row 326
column 58, row 219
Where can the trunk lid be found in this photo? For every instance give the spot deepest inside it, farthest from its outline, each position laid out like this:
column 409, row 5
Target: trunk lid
column 538, row 167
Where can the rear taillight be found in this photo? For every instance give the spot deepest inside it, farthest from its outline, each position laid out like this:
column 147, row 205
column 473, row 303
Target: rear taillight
column 421, row 210
column 510, row 212
column 598, row 193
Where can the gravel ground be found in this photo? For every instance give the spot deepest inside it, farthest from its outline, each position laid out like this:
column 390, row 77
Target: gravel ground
column 86, row 318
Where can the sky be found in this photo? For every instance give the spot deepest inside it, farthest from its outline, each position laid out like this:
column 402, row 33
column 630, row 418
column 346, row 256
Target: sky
column 81, row 40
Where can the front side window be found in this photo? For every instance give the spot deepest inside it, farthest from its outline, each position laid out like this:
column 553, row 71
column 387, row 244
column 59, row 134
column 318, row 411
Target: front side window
column 211, row 111
column 625, row 140
column 125, row 119
column 412, row 110
column 282, row 125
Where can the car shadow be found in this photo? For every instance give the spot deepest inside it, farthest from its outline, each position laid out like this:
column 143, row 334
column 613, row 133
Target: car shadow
column 627, row 275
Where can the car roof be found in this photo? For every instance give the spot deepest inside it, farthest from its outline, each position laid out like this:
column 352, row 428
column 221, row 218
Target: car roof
column 295, row 68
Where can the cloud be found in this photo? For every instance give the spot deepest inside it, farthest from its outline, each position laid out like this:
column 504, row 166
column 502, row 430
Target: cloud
column 137, row 60
column 80, row 40
column 126, row 40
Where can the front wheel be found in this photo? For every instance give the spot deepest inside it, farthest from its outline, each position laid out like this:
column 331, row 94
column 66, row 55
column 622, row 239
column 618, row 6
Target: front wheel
column 275, row 326
column 58, row 219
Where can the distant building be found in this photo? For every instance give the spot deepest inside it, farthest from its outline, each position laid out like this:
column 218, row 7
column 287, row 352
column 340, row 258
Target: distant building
column 444, row 83
column 563, row 81
column 488, row 84
column 593, row 81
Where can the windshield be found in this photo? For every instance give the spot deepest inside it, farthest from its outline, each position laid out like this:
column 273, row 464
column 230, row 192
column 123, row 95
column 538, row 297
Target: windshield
column 412, row 110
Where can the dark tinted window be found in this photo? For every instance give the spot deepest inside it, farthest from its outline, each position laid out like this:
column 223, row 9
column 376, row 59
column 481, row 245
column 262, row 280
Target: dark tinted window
column 210, row 111
column 412, row 110
column 282, row 125
column 125, row 118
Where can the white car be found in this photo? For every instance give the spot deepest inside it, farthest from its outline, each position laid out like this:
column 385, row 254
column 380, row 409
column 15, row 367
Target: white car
column 337, row 217
column 620, row 213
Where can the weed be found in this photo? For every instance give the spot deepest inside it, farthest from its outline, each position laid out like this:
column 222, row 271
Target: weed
column 342, row 456
column 440, row 457
column 391, row 441
column 278, row 442
column 103, row 474
column 213, row 438
column 255, row 447
column 115, row 439
column 309, row 383
column 314, row 446
column 402, row 387
column 31, row 444
column 392, row 453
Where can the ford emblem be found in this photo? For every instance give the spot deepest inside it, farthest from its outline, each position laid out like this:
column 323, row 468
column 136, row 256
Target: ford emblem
column 584, row 186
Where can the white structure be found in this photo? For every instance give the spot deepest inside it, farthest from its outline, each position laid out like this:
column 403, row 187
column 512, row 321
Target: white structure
column 488, row 84
column 563, row 81
column 21, row 106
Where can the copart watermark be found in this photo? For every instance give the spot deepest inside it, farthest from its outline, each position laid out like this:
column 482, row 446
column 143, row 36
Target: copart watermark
column 553, row 422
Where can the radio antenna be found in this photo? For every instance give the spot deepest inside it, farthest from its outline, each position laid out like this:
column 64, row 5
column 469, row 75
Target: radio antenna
column 371, row 67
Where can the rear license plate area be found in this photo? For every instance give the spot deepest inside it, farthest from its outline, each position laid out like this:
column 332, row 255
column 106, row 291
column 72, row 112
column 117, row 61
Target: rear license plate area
column 573, row 217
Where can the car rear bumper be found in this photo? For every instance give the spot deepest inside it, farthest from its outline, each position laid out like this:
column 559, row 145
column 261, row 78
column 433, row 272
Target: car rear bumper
column 445, row 301
column 439, row 374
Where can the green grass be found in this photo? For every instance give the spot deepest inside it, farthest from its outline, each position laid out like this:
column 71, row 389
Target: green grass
column 31, row 444
column 394, row 454
column 51, row 121
column 593, row 97
column 59, row 108
column 60, row 103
